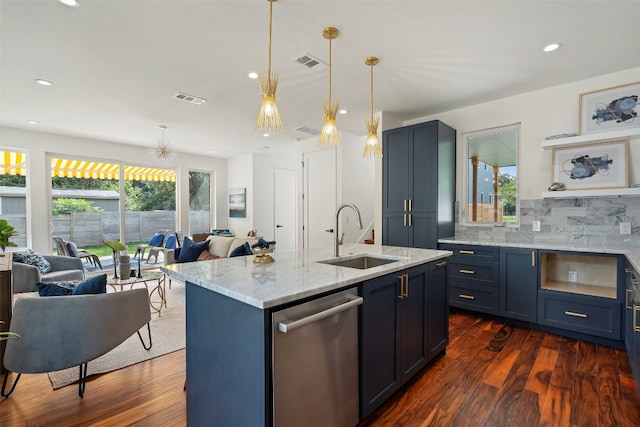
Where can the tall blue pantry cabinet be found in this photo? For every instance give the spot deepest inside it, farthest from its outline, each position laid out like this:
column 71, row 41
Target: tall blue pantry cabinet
column 419, row 184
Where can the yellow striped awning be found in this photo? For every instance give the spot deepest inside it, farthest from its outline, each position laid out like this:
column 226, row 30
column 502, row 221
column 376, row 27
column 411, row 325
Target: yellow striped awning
column 13, row 163
column 98, row 170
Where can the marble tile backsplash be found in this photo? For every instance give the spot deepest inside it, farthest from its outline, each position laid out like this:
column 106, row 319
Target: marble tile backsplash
column 581, row 223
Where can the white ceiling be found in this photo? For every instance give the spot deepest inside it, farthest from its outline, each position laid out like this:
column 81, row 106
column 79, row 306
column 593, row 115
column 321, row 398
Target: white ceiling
column 117, row 64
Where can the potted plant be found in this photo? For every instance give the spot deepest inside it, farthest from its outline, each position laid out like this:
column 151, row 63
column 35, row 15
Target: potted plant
column 6, row 233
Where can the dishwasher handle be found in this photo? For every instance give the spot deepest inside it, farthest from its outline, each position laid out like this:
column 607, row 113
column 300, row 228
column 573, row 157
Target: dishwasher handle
column 288, row 326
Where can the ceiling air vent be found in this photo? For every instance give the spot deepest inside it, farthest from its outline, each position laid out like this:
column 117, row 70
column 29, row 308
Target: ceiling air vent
column 310, row 62
column 309, row 130
column 190, row 98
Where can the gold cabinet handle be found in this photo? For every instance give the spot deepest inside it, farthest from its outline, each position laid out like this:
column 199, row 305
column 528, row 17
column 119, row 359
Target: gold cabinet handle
column 406, row 285
column 441, row 264
column 574, row 314
column 533, row 258
column 404, row 219
column 467, row 272
column 410, row 205
column 636, row 308
column 467, row 296
column 404, row 205
column 466, row 252
column 627, row 270
column 635, row 282
column 401, row 277
column 409, row 215
column 626, row 298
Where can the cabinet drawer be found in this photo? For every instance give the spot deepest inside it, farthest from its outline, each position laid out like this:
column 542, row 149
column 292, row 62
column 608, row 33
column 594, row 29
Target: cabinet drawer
column 580, row 313
column 464, row 253
column 484, row 300
column 479, row 274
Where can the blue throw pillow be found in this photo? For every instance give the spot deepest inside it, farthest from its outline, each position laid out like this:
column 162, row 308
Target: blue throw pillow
column 191, row 251
column 54, row 289
column 241, row 250
column 93, row 285
column 156, row 239
column 73, row 249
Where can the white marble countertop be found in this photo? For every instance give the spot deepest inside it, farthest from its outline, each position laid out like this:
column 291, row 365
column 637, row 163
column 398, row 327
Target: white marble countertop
column 632, row 256
column 295, row 274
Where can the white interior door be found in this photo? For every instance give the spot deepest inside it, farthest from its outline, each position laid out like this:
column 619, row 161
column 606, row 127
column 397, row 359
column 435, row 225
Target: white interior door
column 320, row 198
column 286, row 209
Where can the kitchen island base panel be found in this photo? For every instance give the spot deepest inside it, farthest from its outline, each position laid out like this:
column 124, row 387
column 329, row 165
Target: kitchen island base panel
column 217, row 322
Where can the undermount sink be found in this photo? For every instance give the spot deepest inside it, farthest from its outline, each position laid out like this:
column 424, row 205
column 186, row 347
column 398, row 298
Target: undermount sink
column 361, row 262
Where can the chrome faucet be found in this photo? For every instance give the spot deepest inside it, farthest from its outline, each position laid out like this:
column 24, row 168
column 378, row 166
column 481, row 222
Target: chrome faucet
column 338, row 240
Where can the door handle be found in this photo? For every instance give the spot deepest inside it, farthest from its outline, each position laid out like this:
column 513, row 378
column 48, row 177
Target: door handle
column 279, row 226
column 406, row 285
column 401, row 277
column 574, row 314
column 329, row 230
column 288, row 326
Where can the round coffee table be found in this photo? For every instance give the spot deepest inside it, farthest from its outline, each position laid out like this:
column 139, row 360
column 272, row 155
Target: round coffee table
column 157, row 294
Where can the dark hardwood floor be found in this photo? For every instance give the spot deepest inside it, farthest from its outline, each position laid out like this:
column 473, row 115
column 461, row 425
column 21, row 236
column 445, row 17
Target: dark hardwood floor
column 491, row 375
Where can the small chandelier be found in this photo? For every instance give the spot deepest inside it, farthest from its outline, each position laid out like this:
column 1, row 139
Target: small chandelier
column 372, row 147
column 269, row 117
column 162, row 151
column 329, row 135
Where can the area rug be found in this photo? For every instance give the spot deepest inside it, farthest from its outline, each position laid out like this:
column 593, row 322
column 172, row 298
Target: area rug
column 167, row 334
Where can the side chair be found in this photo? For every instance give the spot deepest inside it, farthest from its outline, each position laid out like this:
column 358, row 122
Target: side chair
column 71, row 330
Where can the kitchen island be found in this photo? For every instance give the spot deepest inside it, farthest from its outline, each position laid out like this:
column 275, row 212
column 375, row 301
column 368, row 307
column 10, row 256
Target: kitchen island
column 230, row 303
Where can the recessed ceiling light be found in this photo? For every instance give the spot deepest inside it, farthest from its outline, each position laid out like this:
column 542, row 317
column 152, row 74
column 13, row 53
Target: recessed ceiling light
column 44, row 82
column 72, row 3
column 266, row 135
column 33, row 122
column 253, row 75
column 551, row 47
column 343, row 111
column 213, row 151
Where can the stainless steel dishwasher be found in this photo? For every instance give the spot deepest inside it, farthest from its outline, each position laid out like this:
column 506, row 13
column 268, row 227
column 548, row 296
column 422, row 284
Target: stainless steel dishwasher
column 315, row 362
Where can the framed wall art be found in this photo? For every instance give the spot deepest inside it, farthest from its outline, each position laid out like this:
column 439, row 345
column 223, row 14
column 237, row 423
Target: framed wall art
column 592, row 166
column 609, row 109
column 237, row 203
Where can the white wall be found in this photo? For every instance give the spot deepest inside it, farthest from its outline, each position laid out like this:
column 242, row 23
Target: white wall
column 541, row 113
column 240, row 172
column 356, row 178
column 39, row 144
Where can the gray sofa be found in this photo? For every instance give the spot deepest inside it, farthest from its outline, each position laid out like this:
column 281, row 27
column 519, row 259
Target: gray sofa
column 26, row 276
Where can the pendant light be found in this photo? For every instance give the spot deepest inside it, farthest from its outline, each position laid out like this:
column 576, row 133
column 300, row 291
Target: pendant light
column 162, row 152
column 269, row 116
column 372, row 147
column 329, row 135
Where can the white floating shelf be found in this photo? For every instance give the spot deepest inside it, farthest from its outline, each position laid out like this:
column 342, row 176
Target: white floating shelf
column 592, row 138
column 607, row 192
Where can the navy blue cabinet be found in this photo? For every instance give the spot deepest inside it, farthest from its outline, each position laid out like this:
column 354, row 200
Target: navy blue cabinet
column 418, row 190
column 632, row 321
column 404, row 324
column 473, row 277
column 518, row 283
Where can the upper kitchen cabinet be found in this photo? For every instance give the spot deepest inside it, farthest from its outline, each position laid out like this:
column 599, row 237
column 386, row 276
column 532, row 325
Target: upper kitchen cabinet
column 418, row 190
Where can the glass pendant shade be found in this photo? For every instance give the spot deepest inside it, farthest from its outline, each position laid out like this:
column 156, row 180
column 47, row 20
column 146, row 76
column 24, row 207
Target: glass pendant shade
column 330, row 135
column 372, row 146
column 269, row 116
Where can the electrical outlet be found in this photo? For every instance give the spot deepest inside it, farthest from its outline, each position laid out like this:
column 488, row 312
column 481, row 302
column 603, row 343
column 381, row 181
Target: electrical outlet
column 625, row 228
column 573, row 276
column 535, row 225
